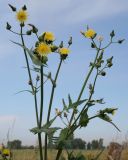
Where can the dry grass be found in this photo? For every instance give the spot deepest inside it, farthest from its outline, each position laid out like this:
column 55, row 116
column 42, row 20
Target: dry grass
column 33, row 154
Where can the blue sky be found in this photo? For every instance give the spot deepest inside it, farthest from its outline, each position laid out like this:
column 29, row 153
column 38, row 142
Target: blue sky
column 65, row 18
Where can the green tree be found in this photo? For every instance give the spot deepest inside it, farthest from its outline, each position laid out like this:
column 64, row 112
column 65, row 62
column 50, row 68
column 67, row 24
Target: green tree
column 15, row 144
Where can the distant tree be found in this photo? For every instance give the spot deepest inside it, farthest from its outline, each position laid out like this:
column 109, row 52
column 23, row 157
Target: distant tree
column 88, row 146
column 15, row 144
column 101, row 143
column 78, row 143
column 95, row 144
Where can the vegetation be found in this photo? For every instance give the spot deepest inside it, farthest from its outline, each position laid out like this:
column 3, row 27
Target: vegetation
column 74, row 113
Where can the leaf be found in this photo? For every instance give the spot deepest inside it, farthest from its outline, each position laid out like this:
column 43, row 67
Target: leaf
column 48, row 131
column 47, row 125
column 84, row 119
column 76, row 104
column 33, row 57
column 45, row 128
column 25, row 91
column 70, row 100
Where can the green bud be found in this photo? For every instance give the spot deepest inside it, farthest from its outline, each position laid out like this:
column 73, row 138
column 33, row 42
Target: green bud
column 103, row 73
column 93, row 45
column 65, row 114
column 22, row 24
column 110, row 65
column 24, row 8
column 37, row 78
column 36, row 44
column 61, row 44
column 44, row 59
column 63, row 56
column 109, row 60
column 112, row 34
column 70, row 41
column 29, row 32
column 121, row 41
column 8, row 26
column 34, row 29
column 94, row 35
column 54, row 48
column 12, row 7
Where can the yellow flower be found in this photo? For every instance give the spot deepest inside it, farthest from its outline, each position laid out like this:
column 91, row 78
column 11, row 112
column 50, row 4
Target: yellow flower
column 43, row 49
column 64, row 51
column 21, row 16
column 90, row 33
column 6, row 152
column 49, row 36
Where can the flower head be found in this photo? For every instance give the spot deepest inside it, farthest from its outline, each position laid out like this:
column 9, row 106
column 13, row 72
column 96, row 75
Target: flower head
column 6, row 152
column 58, row 112
column 64, row 51
column 100, row 38
column 43, row 49
column 90, row 33
column 22, row 16
column 49, row 36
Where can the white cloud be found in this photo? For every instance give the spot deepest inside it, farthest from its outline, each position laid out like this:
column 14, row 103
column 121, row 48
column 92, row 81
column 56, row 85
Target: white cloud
column 73, row 11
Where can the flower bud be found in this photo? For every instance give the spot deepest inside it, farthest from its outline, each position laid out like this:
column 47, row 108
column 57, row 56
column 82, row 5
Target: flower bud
column 30, row 82
column 54, row 48
column 112, row 34
column 121, row 41
column 65, row 114
column 12, row 7
column 58, row 113
column 8, row 26
column 110, row 65
column 37, row 78
column 22, row 24
column 93, row 45
column 29, row 32
column 34, row 29
column 61, row 44
column 24, row 8
column 70, row 41
column 103, row 73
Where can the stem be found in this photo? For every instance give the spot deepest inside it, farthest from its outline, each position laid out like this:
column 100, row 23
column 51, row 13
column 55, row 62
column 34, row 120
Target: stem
column 42, row 95
column 34, row 91
column 88, row 99
column 50, row 105
column 79, row 97
column 84, row 84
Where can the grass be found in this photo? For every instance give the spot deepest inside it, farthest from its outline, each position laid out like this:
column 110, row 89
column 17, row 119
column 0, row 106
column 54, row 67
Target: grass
column 33, row 154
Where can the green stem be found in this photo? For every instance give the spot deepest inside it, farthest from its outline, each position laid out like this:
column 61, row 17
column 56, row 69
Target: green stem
column 79, row 97
column 50, row 105
column 84, row 84
column 88, row 99
column 34, row 92
column 42, row 94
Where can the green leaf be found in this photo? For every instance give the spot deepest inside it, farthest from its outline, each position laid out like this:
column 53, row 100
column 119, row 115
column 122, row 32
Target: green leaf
column 45, row 128
column 33, row 56
column 84, row 119
column 76, row 104
column 70, row 100
column 25, row 91
column 47, row 125
column 48, row 131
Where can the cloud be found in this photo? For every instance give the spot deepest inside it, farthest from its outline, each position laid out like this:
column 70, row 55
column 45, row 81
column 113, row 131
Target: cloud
column 72, row 11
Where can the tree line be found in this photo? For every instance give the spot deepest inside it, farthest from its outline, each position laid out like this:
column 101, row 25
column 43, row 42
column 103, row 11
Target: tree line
column 72, row 143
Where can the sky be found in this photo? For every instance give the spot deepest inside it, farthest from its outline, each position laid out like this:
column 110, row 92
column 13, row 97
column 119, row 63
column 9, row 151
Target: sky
column 64, row 18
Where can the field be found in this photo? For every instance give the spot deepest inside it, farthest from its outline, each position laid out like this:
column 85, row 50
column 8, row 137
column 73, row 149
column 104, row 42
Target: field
column 32, row 154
